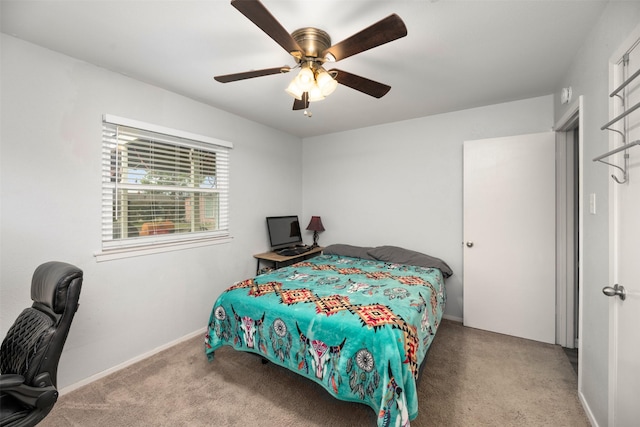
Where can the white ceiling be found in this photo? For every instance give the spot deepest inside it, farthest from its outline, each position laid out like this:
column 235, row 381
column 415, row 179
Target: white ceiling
column 457, row 54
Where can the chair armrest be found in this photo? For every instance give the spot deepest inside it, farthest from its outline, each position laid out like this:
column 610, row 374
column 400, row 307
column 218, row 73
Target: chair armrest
column 8, row 381
column 37, row 397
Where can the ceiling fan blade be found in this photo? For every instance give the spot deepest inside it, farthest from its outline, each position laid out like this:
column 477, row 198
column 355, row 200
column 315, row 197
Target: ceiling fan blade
column 251, row 74
column 259, row 15
column 384, row 31
column 362, row 84
column 301, row 104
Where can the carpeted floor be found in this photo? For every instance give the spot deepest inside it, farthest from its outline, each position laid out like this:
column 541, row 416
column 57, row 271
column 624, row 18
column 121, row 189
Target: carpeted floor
column 472, row 378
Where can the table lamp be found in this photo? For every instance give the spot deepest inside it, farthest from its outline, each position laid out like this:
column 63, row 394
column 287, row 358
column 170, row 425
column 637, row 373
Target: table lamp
column 316, row 226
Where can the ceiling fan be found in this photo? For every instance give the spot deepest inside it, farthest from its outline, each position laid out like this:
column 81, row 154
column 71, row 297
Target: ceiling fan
column 311, row 48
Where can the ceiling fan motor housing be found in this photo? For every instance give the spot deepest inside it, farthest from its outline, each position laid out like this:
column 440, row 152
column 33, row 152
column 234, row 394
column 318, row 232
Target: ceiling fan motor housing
column 313, row 40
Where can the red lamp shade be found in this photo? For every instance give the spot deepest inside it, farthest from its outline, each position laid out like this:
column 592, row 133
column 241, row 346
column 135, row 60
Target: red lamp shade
column 315, row 224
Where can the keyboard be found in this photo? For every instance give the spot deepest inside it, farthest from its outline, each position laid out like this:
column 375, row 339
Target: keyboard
column 293, row 251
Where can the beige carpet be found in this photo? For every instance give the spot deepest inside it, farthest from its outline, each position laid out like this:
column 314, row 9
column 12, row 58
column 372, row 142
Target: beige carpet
column 472, row 378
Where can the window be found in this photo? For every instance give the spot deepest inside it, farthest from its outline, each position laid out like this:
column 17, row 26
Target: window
column 161, row 187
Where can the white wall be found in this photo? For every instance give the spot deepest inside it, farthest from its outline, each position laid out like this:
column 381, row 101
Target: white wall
column 589, row 76
column 51, row 205
column 401, row 183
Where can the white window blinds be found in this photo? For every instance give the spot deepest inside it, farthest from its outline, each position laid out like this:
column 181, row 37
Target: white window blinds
column 161, row 186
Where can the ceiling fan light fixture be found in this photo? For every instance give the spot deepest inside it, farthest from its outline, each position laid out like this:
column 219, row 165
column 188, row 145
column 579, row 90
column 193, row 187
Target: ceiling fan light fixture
column 305, row 78
column 294, row 89
column 315, row 94
column 326, row 83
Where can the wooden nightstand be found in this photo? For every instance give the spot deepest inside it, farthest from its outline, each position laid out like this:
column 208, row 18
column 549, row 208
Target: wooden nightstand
column 277, row 261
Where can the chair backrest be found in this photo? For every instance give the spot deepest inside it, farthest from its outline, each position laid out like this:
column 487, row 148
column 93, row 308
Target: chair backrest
column 34, row 343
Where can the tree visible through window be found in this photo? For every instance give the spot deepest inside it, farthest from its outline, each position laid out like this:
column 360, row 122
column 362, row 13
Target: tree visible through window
column 158, row 187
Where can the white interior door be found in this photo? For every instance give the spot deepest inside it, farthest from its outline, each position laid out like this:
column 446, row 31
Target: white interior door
column 624, row 374
column 509, row 233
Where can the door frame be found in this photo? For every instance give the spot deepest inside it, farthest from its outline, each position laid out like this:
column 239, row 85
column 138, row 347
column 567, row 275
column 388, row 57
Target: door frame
column 566, row 242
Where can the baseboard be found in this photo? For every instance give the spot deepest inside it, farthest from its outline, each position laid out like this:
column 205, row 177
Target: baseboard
column 587, row 410
column 130, row 362
column 454, row 318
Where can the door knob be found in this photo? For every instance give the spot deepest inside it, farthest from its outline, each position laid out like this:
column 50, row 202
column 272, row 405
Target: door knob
column 469, row 244
column 617, row 290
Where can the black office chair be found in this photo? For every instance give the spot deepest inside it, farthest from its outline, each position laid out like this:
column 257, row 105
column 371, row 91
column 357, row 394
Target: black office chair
column 31, row 350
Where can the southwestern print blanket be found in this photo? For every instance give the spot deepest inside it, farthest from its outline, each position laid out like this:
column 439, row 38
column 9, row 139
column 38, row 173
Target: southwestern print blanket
column 360, row 328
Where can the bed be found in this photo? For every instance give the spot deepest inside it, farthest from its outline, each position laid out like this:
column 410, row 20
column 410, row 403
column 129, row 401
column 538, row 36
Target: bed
column 357, row 320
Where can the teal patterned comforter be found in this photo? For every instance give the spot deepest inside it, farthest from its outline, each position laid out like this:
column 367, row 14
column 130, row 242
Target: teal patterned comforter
column 359, row 328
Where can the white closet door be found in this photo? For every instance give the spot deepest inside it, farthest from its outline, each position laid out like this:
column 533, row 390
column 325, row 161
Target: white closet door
column 509, row 235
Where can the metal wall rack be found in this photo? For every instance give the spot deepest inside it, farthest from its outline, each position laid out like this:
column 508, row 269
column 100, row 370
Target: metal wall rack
column 624, row 147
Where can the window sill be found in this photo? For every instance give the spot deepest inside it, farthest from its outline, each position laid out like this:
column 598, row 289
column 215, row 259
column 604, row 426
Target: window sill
column 121, row 253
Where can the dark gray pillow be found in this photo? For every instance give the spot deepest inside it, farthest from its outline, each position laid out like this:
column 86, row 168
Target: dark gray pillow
column 348, row 250
column 399, row 255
